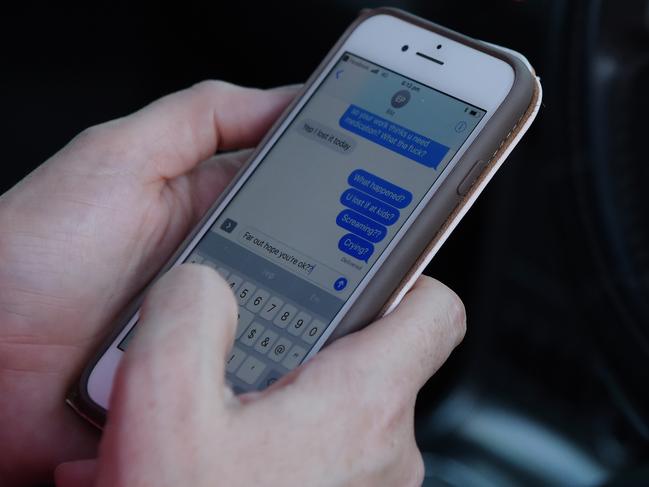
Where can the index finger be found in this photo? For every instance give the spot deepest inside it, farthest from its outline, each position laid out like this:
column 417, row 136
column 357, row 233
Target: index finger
column 403, row 350
column 173, row 134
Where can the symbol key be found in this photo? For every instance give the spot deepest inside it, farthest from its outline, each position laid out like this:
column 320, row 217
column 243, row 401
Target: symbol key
column 294, row 357
column 251, row 334
column 250, row 370
column 266, row 341
column 280, row 349
column 235, row 359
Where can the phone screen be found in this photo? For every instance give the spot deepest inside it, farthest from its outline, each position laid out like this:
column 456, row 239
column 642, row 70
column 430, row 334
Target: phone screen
column 322, row 206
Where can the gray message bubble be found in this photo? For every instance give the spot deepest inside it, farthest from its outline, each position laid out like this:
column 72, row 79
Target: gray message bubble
column 326, row 136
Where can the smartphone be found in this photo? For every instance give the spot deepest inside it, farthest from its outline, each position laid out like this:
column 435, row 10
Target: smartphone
column 349, row 195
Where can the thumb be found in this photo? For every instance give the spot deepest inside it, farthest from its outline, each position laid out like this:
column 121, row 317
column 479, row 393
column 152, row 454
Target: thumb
column 171, row 382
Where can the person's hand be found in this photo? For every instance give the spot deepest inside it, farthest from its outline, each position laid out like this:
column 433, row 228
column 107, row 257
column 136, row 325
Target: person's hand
column 344, row 418
column 88, row 229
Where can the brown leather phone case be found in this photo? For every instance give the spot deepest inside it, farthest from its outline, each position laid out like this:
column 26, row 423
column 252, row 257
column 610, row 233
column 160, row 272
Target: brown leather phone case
column 434, row 224
column 472, row 189
column 460, row 189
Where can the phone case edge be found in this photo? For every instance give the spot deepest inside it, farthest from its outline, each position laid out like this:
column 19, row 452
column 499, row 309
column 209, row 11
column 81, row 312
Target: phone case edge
column 474, row 192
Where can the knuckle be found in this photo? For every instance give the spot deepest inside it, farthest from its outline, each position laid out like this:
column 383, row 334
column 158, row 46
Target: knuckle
column 457, row 314
column 213, row 87
column 104, row 143
column 92, row 137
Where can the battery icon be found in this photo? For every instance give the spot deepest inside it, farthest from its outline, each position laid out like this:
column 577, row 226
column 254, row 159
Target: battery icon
column 471, row 111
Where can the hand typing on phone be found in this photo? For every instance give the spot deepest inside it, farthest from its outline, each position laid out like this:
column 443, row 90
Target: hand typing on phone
column 81, row 235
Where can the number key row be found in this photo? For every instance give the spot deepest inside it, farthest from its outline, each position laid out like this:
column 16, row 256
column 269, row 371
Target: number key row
column 310, row 330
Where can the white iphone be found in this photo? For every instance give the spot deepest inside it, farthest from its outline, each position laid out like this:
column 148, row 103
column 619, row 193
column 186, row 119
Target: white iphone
column 336, row 210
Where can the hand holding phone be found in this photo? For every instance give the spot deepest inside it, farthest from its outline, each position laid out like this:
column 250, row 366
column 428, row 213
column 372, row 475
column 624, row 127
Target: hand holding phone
column 350, row 195
column 170, row 400
column 84, row 233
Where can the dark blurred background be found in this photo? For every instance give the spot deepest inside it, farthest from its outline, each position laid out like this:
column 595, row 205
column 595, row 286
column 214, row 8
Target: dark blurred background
column 550, row 385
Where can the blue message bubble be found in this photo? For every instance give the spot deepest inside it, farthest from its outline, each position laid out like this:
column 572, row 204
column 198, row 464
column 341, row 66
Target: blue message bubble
column 370, row 207
column 361, row 226
column 380, row 188
column 356, row 247
column 392, row 136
